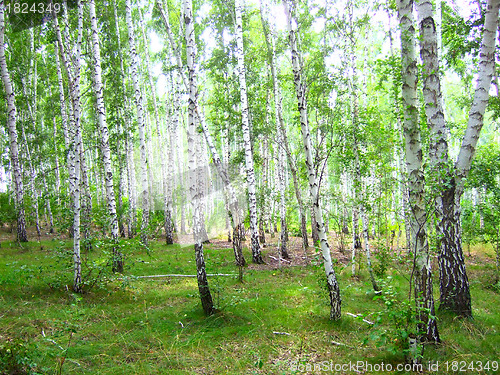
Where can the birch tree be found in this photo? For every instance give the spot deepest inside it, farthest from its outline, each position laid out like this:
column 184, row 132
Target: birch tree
column 300, row 90
column 416, row 184
column 206, row 297
column 235, row 214
column 72, row 67
column 13, row 142
column 103, row 127
column 450, row 180
column 141, row 123
column 284, row 151
column 250, row 172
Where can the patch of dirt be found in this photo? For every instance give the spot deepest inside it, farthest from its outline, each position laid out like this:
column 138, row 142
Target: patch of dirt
column 271, row 256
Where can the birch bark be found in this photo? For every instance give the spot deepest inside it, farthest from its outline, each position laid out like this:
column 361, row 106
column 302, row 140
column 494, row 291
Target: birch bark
column 300, row 88
column 11, row 124
column 72, row 67
column 134, row 67
column 413, row 150
column 250, row 172
column 129, row 157
column 103, row 126
column 206, row 297
column 235, row 214
column 278, row 103
column 454, row 284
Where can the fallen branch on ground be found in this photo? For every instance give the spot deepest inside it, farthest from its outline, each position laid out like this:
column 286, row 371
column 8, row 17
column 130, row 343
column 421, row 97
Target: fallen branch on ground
column 357, row 316
column 280, row 259
column 340, row 344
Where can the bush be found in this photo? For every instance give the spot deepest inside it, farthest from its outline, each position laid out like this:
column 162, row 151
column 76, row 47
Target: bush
column 7, row 209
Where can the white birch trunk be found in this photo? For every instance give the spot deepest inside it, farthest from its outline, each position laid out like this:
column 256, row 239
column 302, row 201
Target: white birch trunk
column 250, row 172
column 103, row 126
column 281, row 136
column 300, row 88
column 170, row 140
column 233, row 201
column 131, row 191
column 416, row 185
column 149, row 153
column 205, row 296
column 72, row 67
column 134, row 67
column 13, row 145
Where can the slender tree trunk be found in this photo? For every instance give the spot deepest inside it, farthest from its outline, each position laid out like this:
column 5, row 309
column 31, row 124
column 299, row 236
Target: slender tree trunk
column 281, row 177
column 250, row 172
column 206, row 297
column 48, row 206
column 300, row 88
column 416, row 185
column 141, row 124
column 314, row 226
column 364, row 221
column 132, row 193
column 128, row 154
column 454, row 285
column 236, row 216
column 171, row 131
column 201, row 178
column 13, row 145
column 72, row 67
column 32, row 185
column 119, row 198
column 106, row 153
column 356, row 242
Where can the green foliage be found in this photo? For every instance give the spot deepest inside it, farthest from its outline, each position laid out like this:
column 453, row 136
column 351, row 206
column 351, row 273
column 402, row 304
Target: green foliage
column 396, row 324
column 18, row 357
column 7, row 210
column 484, row 178
column 383, row 257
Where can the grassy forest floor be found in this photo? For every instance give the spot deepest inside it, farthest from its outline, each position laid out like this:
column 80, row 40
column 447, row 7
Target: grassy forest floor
column 275, row 322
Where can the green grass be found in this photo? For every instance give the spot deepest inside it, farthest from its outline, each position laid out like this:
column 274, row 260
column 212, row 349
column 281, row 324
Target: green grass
column 156, row 326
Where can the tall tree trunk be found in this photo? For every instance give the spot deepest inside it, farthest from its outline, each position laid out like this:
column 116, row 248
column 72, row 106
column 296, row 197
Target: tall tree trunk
column 416, row 185
column 47, row 205
column 237, row 217
column 201, row 180
column 72, row 66
column 314, row 225
column 250, row 172
column 364, row 221
column 173, row 124
column 13, row 145
column 32, row 107
column 119, row 197
column 32, row 177
column 454, row 284
column 128, row 151
column 134, row 67
column 152, row 91
column 300, row 88
column 356, row 242
column 106, row 153
column 206, row 297
column 281, row 187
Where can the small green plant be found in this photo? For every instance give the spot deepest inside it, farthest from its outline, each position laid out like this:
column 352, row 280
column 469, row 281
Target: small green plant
column 396, row 325
column 383, row 258
column 16, row 357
